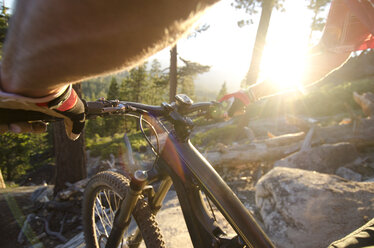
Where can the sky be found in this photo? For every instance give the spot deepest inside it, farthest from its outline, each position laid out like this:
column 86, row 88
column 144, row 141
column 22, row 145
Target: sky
column 227, row 48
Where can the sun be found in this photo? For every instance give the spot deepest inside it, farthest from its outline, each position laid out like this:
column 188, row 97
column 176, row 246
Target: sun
column 283, row 65
column 285, row 54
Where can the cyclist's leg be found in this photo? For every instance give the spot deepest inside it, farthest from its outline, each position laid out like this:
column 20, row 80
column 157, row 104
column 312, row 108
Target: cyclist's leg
column 362, row 237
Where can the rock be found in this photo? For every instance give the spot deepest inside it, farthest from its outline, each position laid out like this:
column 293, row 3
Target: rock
column 73, row 189
column 92, row 164
column 222, row 148
column 370, row 180
column 310, row 208
column 278, row 126
column 363, row 167
column 250, row 134
column 366, row 102
column 77, row 242
column 348, row 174
column 42, row 195
column 38, row 245
column 326, row 158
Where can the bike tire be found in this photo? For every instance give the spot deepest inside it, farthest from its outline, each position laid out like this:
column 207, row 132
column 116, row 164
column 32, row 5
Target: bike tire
column 118, row 184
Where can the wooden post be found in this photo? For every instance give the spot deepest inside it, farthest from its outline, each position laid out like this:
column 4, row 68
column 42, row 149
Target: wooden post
column 2, row 183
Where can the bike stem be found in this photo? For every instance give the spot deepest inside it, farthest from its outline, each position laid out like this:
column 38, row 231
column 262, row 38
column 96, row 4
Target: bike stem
column 123, row 215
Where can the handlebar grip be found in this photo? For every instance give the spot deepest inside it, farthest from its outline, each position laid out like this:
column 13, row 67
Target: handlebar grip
column 16, row 115
column 8, row 116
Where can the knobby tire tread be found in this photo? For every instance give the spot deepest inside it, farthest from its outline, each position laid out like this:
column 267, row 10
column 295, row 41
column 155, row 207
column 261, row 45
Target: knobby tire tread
column 142, row 213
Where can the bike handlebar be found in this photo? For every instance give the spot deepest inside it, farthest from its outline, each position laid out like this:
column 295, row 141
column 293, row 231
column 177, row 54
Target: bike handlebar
column 103, row 108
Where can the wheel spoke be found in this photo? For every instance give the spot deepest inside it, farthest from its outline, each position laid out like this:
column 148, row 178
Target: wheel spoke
column 98, row 214
column 109, row 220
column 106, row 213
column 110, row 209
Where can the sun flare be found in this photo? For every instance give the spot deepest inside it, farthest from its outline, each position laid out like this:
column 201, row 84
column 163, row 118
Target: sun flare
column 283, row 65
column 285, row 55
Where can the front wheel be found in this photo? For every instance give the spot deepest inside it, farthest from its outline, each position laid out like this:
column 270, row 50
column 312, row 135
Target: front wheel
column 102, row 198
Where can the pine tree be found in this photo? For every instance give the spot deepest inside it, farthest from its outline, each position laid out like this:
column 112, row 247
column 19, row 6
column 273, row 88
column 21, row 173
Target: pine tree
column 222, row 91
column 186, row 75
column 114, row 123
column 113, row 92
column 318, row 23
column 187, row 86
column 4, row 23
column 133, row 87
column 158, row 92
column 17, row 152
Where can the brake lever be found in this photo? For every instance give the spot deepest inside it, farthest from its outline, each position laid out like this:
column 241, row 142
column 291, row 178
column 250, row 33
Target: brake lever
column 104, row 107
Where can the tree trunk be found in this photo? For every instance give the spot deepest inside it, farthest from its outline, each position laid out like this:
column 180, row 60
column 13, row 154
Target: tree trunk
column 254, row 68
column 70, row 155
column 2, row 183
column 173, row 73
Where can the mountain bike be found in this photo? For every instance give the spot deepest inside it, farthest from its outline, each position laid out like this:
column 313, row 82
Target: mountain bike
column 119, row 207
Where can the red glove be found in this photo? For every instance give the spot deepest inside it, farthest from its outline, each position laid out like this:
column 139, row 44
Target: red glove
column 237, row 101
column 65, row 104
column 240, row 95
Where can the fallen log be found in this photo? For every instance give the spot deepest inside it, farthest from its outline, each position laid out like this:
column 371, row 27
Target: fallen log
column 360, row 135
column 58, row 234
column 283, row 140
column 366, row 102
column 251, row 153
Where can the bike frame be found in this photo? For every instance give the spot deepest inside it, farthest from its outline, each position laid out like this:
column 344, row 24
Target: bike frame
column 191, row 172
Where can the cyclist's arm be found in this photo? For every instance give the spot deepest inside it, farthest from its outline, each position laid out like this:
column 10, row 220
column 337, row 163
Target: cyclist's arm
column 320, row 64
column 53, row 43
column 349, row 27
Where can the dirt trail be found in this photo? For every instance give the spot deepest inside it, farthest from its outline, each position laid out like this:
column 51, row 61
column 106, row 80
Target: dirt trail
column 171, row 222
column 15, row 203
column 14, row 206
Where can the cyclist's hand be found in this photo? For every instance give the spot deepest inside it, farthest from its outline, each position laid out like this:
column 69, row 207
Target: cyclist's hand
column 67, row 106
column 72, row 108
column 236, row 102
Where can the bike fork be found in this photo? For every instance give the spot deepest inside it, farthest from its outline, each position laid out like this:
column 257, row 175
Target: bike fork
column 156, row 204
column 123, row 214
